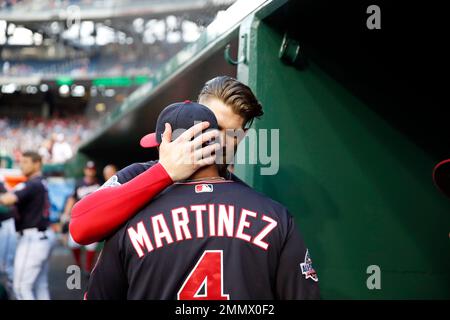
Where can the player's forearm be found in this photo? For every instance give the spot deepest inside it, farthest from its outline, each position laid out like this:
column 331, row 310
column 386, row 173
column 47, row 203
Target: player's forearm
column 102, row 212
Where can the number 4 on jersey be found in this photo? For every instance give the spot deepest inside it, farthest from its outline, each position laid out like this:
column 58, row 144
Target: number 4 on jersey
column 207, row 275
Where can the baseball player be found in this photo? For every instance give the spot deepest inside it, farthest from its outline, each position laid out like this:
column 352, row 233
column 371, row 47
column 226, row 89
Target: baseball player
column 35, row 239
column 206, row 238
column 7, row 244
column 87, row 185
column 101, row 213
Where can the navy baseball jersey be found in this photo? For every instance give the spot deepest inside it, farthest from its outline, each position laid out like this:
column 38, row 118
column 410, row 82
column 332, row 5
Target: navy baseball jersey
column 216, row 239
column 83, row 188
column 33, row 204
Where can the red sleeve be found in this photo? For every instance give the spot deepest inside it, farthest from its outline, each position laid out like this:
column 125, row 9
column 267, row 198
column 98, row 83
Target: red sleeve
column 99, row 214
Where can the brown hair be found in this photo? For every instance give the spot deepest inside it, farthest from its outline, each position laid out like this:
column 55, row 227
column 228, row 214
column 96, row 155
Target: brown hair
column 235, row 94
column 34, row 156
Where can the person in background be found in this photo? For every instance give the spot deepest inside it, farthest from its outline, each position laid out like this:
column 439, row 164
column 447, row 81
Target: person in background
column 109, row 171
column 35, row 238
column 61, row 150
column 45, row 151
column 7, row 245
column 87, row 185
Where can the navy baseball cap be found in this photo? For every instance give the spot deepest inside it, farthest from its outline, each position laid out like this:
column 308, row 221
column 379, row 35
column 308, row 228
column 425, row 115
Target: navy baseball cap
column 180, row 115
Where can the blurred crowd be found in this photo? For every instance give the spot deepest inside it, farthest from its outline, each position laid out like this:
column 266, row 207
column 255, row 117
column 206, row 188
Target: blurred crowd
column 35, row 5
column 75, row 68
column 10, row 4
column 55, row 139
column 111, row 63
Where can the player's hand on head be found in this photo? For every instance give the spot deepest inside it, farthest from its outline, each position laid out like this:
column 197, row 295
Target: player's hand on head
column 186, row 154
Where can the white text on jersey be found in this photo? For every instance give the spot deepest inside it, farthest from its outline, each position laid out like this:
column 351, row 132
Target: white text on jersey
column 188, row 223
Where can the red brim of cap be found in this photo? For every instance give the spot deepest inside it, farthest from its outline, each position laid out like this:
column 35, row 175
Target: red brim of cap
column 149, row 141
column 441, row 176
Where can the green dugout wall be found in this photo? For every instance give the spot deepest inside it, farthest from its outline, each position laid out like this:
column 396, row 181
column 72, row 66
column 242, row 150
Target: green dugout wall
column 360, row 125
column 358, row 141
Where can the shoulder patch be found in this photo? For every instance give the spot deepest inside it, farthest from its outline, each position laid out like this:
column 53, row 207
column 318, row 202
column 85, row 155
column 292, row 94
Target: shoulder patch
column 307, row 268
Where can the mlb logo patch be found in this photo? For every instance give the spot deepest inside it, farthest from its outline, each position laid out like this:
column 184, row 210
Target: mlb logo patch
column 200, row 188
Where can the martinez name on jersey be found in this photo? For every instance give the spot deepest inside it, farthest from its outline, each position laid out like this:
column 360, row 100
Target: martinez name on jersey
column 186, row 223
